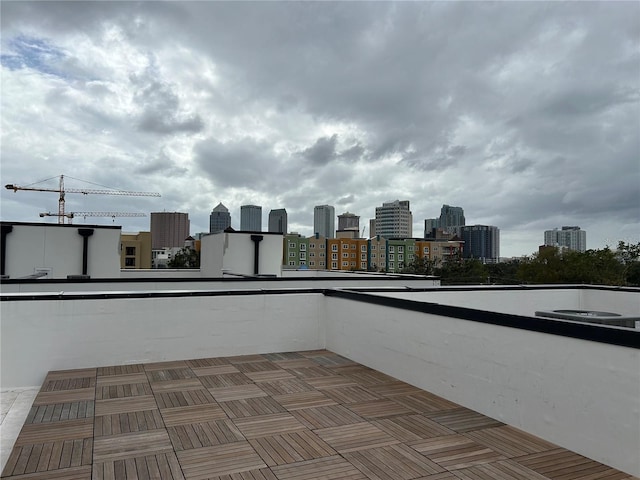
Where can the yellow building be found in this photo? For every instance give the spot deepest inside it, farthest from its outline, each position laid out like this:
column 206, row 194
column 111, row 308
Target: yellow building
column 135, row 250
column 439, row 251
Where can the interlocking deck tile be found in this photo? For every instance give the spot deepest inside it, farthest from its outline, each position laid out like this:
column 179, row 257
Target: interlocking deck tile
column 127, row 422
column 411, row 428
column 311, row 372
column 351, row 394
column 291, row 447
column 455, row 451
column 162, row 466
column 125, row 405
column 214, row 370
column 192, row 414
column 123, row 390
column 56, row 431
column 64, row 374
column 122, row 379
column 296, row 401
column 565, row 465
column 237, row 392
column 425, row 402
column 284, row 386
column 246, row 358
column 169, row 365
column 73, row 473
column 120, row 370
column 177, row 385
column 205, row 434
column 204, row 463
column 502, row 470
column 266, row 425
column 393, row 389
column 185, row 398
column 299, row 362
column 378, row 409
column 393, row 462
column 329, row 416
column 248, row 407
column 130, row 445
column 65, row 396
column 168, row 374
column 282, row 356
column 54, row 383
column 260, row 474
column 207, row 362
column 35, row 458
column 510, row 441
column 270, row 375
column 463, row 420
column 328, row 468
column 332, row 381
column 60, row 412
column 225, row 380
column 253, row 367
column 332, row 360
column 365, row 376
column 358, row 436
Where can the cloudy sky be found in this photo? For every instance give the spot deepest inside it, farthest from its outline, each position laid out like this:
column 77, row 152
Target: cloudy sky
column 527, row 115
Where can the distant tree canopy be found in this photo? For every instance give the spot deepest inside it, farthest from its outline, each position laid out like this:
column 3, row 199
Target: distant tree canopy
column 596, row 267
column 185, row 258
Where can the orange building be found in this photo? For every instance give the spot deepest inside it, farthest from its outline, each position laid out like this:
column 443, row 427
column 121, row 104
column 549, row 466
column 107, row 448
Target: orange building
column 347, row 253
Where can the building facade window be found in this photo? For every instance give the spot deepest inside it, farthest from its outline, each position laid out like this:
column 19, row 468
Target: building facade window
column 129, row 262
column 400, row 249
column 363, row 248
column 130, row 250
column 292, row 245
column 392, row 249
column 303, row 246
column 345, row 255
column 363, row 265
column 334, row 247
column 303, row 255
column 322, row 254
column 292, row 254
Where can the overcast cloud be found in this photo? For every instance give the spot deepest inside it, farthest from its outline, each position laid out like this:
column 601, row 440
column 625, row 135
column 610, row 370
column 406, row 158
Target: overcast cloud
column 527, row 115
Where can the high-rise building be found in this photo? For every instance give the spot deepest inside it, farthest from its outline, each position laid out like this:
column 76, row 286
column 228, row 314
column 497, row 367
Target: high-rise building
column 569, row 237
column 220, row 219
column 450, row 219
column 372, row 227
column 169, row 229
column 278, row 220
column 251, row 218
column 394, row 220
column 324, row 222
column 481, row 242
column 349, row 221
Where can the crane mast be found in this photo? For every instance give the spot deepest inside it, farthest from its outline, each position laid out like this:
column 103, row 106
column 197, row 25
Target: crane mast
column 61, row 190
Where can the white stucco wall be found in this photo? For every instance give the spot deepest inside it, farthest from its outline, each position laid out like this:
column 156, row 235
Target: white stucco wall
column 59, row 248
column 234, row 252
column 38, row 336
column 582, row 395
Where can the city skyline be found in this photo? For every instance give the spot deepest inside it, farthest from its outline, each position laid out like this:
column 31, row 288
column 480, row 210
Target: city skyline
column 291, row 105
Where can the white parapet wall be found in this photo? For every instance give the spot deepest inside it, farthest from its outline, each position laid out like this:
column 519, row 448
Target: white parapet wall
column 579, row 394
column 39, row 336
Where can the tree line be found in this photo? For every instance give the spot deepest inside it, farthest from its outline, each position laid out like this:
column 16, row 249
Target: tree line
column 594, row 267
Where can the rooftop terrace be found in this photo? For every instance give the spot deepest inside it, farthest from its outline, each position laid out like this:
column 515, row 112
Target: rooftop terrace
column 282, row 416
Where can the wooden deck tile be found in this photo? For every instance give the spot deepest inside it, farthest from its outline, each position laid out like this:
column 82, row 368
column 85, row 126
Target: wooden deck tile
column 502, row 470
column 65, row 396
column 130, row 445
column 192, row 414
column 314, row 353
column 54, row 383
column 329, row 416
column 123, row 390
column 225, row 380
column 351, row 394
column 510, row 441
column 378, row 409
column 348, row 438
column 237, row 392
column 561, row 464
column 120, row 370
column 311, row 372
column 73, row 473
column 124, row 379
column 291, row 447
column 296, row 401
column 185, row 398
column 63, row 374
column 55, row 432
column 455, row 451
column 60, row 412
column 253, row 367
column 205, row 434
column 365, row 376
column 248, row 407
column 207, row 362
column 125, row 405
column 35, row 458
column 282, row 356
column 282, row 387
column 393, row 462
column 299, row 362
column 260, row 474
column 329, row 468
column 411, row 428
column 270, row 375
column 394, row 389
column 331, row 360
column 177, row 385
column 425, row 402
column 168, row 374
column 332, row 381
column 246, row 358
column 169, row 365
column 204, row 463
column 463, row 420
column 266, row 425
column 117, row 423
column 162, row 466
column 214, row 370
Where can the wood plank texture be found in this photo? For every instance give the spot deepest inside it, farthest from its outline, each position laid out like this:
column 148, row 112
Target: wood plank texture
column 279, row 416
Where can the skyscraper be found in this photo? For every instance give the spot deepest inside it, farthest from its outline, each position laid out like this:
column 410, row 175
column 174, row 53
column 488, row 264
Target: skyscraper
column 450, row 219
column 394, row 220
column 349, row 221
column 220, row 219
column 251, row 218
column 324, row 222
column 570, row 237
column 169, row 229
column 481, row 242
column 278, row 220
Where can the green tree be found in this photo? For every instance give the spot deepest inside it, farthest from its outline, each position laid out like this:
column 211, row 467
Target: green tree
column 467, row 271
column 185, row 258
column 420, row 266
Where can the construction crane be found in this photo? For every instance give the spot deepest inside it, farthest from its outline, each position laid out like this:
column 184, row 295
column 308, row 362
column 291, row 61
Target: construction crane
column 113, row 215
column 62, row 191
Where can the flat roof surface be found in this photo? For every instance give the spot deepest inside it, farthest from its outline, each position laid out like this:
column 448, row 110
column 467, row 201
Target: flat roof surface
column 282, row 416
